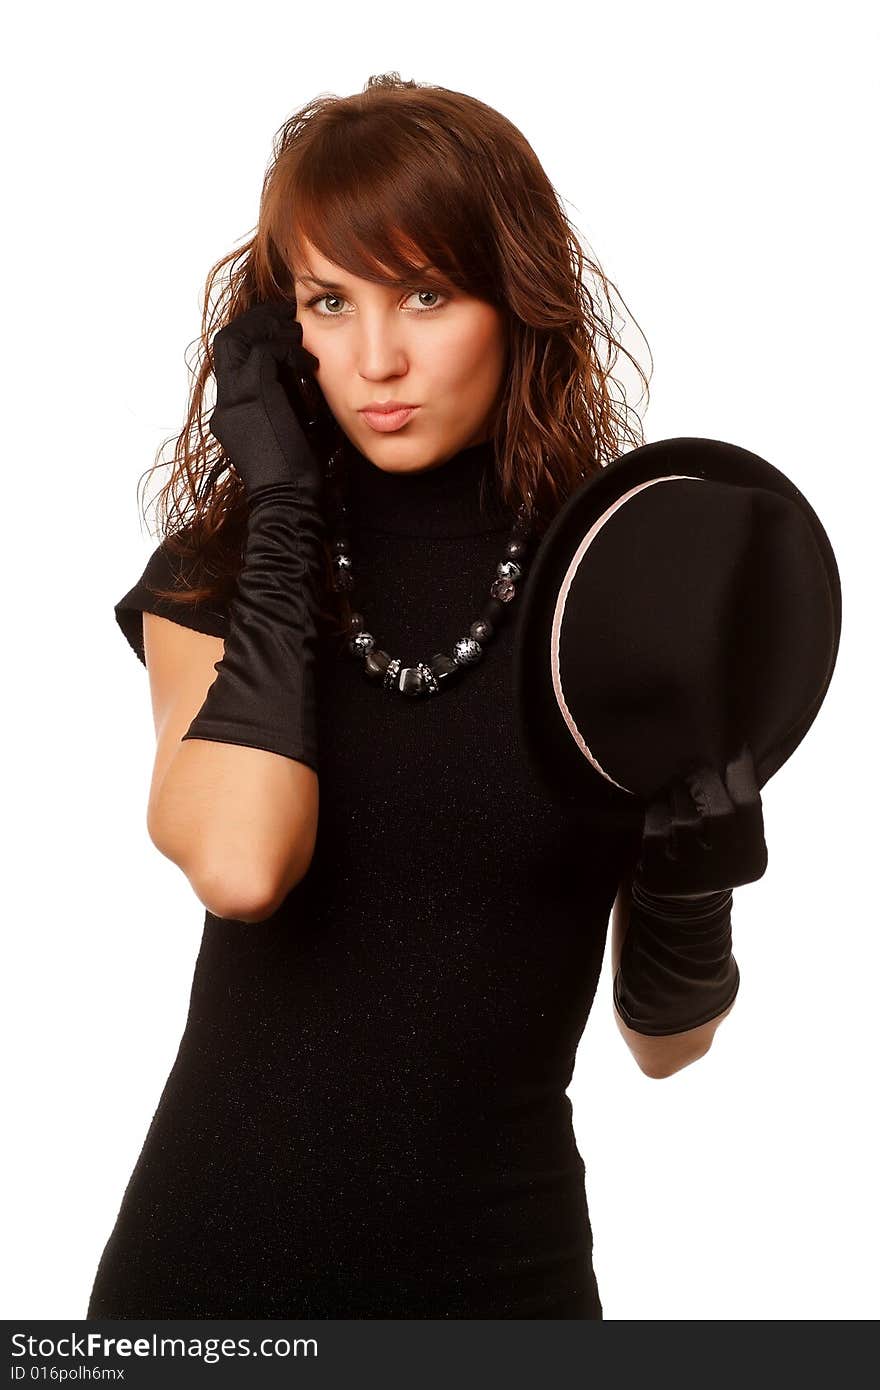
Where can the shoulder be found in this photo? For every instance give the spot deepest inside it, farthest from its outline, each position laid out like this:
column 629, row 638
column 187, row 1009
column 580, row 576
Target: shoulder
column 166, row 574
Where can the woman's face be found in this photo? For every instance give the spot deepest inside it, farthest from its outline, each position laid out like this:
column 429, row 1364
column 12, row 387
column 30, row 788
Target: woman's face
column 444, row 354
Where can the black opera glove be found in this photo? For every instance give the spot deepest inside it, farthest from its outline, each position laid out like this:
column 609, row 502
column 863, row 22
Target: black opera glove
column 264, row 695
column 265, row 692
column 676, row 969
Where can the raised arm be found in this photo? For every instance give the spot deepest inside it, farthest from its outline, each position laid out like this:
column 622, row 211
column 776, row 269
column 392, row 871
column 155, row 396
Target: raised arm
column 234, row 794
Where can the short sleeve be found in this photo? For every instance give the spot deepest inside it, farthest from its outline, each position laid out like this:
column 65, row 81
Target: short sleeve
column 163, row 572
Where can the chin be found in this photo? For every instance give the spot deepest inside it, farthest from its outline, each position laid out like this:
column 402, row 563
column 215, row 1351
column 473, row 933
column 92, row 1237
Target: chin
column 395, row 455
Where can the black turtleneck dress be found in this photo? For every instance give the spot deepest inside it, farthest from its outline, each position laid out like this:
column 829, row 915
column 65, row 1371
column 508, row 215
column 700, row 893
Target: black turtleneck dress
column 367, row 1116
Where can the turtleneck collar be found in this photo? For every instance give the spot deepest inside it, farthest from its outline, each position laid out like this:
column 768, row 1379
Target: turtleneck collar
column 439, row 501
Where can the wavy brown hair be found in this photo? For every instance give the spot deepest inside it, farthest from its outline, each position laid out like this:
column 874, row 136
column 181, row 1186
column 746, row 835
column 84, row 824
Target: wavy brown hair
column 393, row 179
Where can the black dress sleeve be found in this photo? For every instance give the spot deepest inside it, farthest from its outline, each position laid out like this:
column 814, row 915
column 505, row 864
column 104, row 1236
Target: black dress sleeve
column 163, row 572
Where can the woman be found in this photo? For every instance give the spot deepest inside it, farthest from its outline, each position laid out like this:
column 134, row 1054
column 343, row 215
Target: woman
column 367, row 1116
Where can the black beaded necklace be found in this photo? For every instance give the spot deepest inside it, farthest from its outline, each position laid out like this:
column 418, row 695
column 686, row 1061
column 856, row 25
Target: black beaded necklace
column 426, row 678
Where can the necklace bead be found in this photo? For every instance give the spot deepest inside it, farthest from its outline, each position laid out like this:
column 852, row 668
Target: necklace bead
column 425, row 679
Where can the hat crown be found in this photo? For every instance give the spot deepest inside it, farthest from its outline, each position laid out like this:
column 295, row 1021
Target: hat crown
column 679, row 627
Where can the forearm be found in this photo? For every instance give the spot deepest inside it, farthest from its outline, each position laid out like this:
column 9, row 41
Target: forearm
column 264, row 695
column 675, row 977
column 677, row 969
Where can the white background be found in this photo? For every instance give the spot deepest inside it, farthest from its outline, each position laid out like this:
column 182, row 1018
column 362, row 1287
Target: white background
column 719, row 162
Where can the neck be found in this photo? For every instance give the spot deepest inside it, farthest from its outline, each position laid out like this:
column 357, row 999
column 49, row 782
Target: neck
column 457, row 498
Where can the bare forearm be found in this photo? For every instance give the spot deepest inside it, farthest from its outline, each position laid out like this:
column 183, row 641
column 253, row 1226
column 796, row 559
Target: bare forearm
column 239, row 821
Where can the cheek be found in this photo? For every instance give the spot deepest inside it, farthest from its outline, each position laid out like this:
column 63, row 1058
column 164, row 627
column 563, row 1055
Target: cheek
column 331, row 378
column 483, row 343
column 319, row 347
column 464, row 356
column 480, row 360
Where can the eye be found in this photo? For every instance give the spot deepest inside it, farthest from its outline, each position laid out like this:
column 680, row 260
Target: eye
column 436, row 294
column 324, row 314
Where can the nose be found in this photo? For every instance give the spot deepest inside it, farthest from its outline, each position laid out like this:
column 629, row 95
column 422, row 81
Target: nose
column 381, row 349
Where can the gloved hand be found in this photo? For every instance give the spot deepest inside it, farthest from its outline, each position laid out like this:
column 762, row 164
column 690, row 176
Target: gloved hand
column 264, row 695
column 258, row 358
column 676, row 969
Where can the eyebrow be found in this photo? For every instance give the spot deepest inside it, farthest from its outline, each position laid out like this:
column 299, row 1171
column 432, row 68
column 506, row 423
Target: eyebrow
column 333, row 285
column 323, row 284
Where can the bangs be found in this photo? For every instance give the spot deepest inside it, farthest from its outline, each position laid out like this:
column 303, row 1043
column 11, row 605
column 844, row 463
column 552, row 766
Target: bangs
column 407, row 223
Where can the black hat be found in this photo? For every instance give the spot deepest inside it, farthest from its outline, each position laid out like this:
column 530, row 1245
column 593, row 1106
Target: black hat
column 678, row 632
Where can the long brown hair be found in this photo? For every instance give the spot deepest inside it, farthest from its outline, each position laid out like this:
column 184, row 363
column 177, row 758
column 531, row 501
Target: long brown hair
column 395, row 178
